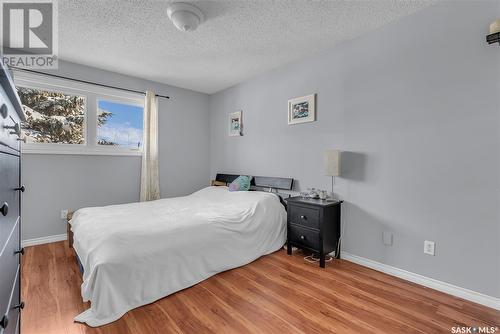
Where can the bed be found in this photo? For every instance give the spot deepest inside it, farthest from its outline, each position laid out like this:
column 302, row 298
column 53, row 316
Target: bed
column 134, row 254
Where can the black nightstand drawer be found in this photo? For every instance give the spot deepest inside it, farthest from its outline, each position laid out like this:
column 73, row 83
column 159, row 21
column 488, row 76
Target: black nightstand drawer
column 301, row 215
column 303, row 236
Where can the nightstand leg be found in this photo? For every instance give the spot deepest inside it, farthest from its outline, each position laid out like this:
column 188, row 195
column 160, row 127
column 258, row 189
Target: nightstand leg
column 288, row 248
column 322, row 260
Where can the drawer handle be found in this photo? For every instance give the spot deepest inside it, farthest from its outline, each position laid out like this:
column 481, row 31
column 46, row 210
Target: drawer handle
column 302, row 237
column 3, row 111
column 303, row 217
column 21, row 251
column 4, row 209
column 16, row 127
column 21, row 188
column 20, row 306
column 5, row 321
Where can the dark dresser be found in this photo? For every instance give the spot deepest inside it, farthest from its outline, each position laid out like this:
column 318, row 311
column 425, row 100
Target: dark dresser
column 10, row 205
column 314, row 225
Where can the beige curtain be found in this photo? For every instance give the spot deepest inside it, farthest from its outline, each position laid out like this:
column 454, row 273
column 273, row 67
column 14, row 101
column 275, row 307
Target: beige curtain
column 150, row 182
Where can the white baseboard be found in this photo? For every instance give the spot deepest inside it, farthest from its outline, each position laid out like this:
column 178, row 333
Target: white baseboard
column 43, row 240
column 432, row 283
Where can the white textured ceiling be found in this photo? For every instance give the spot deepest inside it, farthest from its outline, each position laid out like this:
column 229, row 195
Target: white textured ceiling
column 238, row 40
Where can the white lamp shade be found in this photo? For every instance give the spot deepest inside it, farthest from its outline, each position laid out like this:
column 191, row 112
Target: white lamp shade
column 332, row 162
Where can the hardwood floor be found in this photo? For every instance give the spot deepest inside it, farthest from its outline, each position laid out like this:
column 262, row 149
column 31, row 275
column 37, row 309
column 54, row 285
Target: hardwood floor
column 277, row 293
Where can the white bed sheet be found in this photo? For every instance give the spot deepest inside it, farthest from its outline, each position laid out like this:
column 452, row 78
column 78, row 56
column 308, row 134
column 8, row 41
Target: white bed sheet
column 134, row 254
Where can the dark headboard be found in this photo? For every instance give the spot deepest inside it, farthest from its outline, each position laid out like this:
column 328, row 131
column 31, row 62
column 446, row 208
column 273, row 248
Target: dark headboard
column 283, row 183
column 226, row 178
column 273, row 182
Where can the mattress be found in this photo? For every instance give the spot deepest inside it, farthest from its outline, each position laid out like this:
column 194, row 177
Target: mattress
column 134, row 254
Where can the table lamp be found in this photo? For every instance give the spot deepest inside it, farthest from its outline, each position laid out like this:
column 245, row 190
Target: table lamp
column 332, row 165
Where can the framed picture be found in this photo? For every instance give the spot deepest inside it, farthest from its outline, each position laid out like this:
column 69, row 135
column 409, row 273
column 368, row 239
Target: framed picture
column 302, row 109
column 235, row 124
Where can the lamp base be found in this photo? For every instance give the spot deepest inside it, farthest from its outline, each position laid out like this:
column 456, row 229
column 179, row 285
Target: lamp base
column 332, row 194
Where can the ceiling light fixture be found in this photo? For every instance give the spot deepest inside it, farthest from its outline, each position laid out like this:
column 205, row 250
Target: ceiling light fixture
column 185, row 16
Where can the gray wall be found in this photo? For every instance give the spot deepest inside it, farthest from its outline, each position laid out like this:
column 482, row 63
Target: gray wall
column 415, row 108
column 56, row 182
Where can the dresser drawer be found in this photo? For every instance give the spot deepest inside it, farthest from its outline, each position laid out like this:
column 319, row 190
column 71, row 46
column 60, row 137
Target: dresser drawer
column 304, row 237
column 12, row 311
column 9, row 198
column 9, row 262
column 301, row 215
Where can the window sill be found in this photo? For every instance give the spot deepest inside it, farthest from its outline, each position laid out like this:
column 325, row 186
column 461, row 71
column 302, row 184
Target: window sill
column 81, row 151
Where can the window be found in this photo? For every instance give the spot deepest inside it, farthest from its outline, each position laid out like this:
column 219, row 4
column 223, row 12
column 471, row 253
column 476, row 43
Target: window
column 119, row 124
column 52, row 117
column 66, row 117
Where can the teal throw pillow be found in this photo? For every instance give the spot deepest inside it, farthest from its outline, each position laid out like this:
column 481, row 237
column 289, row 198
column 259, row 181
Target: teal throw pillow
column 241, row 183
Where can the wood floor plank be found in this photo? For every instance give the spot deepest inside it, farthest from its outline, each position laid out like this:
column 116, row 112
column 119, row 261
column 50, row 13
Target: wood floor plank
column 342, row 300
column 277, row 293
column 419, row 301
column 256, row 308
column 248, row 326
column 210, row 311
column 348, row 289
column 150, row 319
column 321, row 315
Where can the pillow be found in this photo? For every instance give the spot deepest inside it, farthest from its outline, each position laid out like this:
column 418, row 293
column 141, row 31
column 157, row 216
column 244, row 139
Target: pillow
column 242, row 183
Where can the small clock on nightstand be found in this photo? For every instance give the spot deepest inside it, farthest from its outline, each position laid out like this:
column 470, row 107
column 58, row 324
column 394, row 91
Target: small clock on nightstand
column 314, row 225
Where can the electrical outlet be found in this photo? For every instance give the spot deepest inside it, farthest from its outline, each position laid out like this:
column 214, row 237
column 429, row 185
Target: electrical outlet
column 387, row 238
column 429, row 247
column 64, row 214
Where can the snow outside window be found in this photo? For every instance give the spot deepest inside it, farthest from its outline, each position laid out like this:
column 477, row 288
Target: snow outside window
column 52, row 117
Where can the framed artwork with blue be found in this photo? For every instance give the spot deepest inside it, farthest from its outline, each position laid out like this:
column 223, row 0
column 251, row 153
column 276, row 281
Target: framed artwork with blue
column 302, row 109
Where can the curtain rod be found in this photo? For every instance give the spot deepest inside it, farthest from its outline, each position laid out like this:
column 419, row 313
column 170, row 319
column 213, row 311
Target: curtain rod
column 86, row 82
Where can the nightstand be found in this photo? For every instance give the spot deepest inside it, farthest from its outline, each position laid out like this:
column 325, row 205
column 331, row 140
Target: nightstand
column 314, row 225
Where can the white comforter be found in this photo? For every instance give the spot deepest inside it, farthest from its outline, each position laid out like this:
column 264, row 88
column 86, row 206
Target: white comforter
column 134, row 254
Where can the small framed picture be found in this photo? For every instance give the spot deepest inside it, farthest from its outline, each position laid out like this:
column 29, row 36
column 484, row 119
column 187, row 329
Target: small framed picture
column 235, row 124
column 302, row 109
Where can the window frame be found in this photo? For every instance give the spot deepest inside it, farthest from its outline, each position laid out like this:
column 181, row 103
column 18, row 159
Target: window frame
column 92, row 94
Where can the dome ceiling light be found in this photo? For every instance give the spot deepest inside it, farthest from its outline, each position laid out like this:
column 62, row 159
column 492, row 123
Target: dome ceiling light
column 185, row 16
